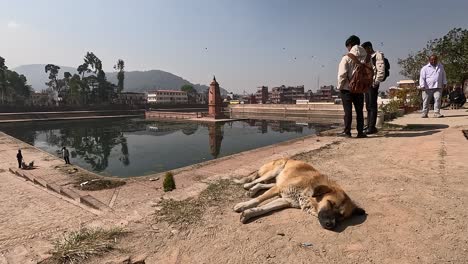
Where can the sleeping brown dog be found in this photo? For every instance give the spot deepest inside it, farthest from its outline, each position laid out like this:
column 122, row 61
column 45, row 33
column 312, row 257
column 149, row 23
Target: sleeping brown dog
column 297, row 185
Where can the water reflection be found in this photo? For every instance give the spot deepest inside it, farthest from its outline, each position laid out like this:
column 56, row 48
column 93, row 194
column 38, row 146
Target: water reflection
column 101, row 145
column 215, row 133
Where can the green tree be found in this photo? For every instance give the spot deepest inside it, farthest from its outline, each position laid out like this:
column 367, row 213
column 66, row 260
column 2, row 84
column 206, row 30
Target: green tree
column 452, row 50
column 191, row 93
column 3, row 87
column 53, row 82
column 102, row 90
column 411, row 66
column 17, row 88
column 120, row 75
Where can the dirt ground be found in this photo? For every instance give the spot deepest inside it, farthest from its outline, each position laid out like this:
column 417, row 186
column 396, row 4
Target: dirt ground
column 412, row 182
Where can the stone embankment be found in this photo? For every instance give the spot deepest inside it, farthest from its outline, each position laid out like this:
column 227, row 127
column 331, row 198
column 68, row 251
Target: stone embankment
column 311, row 113
column 67, row 115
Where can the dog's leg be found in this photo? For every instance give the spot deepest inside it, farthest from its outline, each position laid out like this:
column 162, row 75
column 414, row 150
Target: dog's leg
column 252, row 176
column 240, row 207
column 265, row 177
column 274, row 205
column 258, row 187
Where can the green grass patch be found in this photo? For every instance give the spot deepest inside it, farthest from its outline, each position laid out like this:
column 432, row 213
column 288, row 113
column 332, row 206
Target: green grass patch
column 83, row 180
column 77, row 246
column 190, row 211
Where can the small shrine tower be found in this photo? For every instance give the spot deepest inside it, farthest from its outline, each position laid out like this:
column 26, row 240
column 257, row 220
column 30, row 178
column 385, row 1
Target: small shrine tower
column 215, row 103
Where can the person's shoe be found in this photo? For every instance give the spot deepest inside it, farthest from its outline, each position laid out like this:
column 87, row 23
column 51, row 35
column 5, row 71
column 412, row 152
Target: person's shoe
column 361, row 135
column 344, row 134
column 437, row 115
column 371, row 131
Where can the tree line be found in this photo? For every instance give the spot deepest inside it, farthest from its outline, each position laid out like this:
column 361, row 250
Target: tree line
column 89, row 86
column 452, row 50
column 13, row 86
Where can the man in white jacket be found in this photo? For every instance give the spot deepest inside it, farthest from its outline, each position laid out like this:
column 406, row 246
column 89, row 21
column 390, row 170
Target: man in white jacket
column 378, row 65
column 345, row 72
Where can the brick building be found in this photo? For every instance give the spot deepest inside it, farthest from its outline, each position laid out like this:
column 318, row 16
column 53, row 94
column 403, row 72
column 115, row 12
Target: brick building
column 326, row 93
column 287, row 95
column 261, row 96
column 131, row 98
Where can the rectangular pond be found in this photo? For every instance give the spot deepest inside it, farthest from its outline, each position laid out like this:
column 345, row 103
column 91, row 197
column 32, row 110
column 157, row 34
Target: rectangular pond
column 136, row 147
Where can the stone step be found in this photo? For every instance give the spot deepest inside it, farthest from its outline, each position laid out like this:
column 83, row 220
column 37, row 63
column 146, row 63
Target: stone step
column 87, row 199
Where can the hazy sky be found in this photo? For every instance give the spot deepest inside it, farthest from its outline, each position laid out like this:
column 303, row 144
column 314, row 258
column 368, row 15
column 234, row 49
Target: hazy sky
column 245, row 43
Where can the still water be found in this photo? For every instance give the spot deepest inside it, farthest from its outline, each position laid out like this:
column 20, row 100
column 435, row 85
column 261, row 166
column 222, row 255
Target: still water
column 135, row 147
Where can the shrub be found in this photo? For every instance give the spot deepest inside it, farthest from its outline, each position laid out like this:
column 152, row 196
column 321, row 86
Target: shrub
column 169, row 183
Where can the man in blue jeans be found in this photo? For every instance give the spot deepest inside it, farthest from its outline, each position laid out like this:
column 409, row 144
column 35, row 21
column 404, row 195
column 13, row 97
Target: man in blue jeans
column 432, row 81
column 346, row 70
column 378, row 65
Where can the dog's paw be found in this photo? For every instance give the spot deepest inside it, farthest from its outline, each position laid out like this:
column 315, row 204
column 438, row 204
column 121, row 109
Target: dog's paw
column 249, row 185
column 240, row 207
column 239, row 181
column 244, row 218
column 251, row 193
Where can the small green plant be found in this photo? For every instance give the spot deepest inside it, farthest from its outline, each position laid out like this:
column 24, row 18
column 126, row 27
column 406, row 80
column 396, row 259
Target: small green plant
column 169, row 183
column 391, row 110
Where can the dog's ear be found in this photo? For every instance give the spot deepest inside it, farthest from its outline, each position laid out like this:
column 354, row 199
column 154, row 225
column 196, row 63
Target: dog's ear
column 359, row 211
column 321, row 190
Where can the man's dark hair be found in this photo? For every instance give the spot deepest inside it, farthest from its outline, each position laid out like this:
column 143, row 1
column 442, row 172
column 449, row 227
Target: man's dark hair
column 352, row 41
column 367, row 44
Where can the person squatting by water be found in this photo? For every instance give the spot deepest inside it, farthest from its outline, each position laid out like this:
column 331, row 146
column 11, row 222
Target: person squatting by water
column 66, row 155
column 432, row 81
column 19, row 157
column 378, row 66
column 346, row 69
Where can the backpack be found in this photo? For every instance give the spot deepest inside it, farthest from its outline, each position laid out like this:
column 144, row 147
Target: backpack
column 387, row 66
column 363, row 77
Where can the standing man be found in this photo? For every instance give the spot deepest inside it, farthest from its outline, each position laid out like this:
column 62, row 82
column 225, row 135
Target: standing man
column 378, row 65
column 19, row 157
column 346, row 70
column 66, row 155
column 432, row 81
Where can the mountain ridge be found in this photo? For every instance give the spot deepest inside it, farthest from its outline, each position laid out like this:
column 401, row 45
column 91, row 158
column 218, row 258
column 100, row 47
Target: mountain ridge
column 135, row 81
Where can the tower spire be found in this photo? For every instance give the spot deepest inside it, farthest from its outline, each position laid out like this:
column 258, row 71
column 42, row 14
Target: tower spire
column 214, row 78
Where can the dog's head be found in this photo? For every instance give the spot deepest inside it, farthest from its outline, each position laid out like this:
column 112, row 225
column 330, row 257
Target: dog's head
column 334, row 205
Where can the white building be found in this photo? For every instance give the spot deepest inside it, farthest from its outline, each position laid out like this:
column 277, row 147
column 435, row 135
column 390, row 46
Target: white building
column 167, row 97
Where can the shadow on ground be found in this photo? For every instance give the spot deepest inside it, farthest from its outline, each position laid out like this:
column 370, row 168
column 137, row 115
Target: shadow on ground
column 353, row 221
column 412, row 134
column 415, row 130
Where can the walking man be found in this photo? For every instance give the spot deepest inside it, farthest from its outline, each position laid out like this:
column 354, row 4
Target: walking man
column 432, row 81
column 19, row 157
column 378, row 65
column 66, row 155
column 345, row 73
